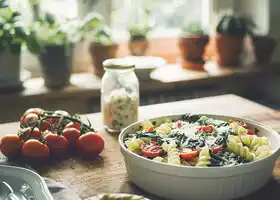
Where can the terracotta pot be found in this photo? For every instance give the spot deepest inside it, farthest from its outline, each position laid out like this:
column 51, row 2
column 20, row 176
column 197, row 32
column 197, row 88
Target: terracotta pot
column 192, row 65
column 228, row 49
column 192, row 47
column 100, row 53
column 264, row 47
column 56, row 64
column 138, row 48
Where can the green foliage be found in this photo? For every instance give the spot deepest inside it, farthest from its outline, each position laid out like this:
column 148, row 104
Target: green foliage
column 192, row 28
column 235, row 25
column 103, row 35
column 138, row 32
column 49, row 31
column 12, row 32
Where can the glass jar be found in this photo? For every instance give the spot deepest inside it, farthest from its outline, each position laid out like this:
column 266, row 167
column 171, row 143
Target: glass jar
column 119, row 94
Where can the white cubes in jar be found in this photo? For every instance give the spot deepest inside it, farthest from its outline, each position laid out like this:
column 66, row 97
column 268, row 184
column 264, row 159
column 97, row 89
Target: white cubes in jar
column 119, row 95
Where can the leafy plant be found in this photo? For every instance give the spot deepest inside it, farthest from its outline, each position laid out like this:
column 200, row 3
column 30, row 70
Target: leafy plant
column 49, row 31
column 193, row 28
column 138, row 32
column 235, row 25
column 102, row 35
column 12, row 31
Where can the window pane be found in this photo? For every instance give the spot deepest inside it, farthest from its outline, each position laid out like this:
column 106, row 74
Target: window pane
column 168, row 16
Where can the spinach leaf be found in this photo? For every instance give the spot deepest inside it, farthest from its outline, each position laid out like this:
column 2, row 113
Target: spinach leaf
column 189, row 117
column 147, row 134
column 152, row 135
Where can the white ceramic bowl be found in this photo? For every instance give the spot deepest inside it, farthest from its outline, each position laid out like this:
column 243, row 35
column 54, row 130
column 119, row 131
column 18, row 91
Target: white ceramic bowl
column 200, row 183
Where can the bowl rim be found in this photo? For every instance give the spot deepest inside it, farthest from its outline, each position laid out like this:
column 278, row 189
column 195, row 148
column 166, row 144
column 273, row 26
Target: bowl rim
column 173, row 166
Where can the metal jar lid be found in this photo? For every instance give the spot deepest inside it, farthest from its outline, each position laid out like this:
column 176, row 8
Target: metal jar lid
column 118, row 63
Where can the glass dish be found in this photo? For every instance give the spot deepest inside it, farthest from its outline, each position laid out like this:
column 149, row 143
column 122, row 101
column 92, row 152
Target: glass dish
column 23, row 183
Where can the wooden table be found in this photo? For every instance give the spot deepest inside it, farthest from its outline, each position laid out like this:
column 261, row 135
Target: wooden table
column 108, row 173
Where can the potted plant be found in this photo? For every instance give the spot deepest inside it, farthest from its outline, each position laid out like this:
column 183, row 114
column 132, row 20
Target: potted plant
column 12, row 36
column 191, row 43
column 229, row 38
column 138, row 41
column 56, row 41
column 264, row 47
column 101, row 48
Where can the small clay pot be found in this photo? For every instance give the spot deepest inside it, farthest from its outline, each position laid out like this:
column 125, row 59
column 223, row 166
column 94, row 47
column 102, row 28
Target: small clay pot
column 264, row 47
column 138, row 48
column 56, row 64
column 100, row 53
column 199, row 66
column 228, row 49
column 192, row 47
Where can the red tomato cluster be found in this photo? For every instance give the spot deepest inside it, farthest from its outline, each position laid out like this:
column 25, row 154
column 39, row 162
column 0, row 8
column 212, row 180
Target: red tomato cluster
column 46, row 134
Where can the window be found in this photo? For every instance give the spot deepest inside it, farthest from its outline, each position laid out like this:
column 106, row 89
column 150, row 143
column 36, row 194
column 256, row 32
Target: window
column 166, row 16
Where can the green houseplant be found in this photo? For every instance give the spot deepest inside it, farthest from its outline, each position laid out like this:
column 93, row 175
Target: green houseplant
column 56, row 41
column 101, row 48
column 191, row 43
column 230, row 33
column 13, row 35
column 138, row 39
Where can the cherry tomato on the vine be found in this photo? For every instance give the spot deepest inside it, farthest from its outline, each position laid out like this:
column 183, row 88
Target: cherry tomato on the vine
column 29, row 120
column 10, row 145
column 57, row 144
column 71, row 134
column 56, row 120
column 90, row 144
column 36, row 111
column 35, row 149
column 26, row 134
column 75, row 125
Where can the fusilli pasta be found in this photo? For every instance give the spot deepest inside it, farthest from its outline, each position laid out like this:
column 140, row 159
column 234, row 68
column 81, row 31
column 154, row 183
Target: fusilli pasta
column 164, row 128
column 204, row 157
column 253, row 141
column 237, row 129
column 172, row 153
column 235, row 145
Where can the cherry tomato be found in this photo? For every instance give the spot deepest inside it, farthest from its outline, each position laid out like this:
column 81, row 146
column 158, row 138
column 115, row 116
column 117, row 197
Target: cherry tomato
column 151, row 149
column 251, row 132
column 75, row 125
column 207, row 129
column 45, row 124
column 36, row 111
column 217, row 149
column 244, row 124
column 30, row 119
column 57, row 144
column 71, row 134
column 179, row 124
column 90, row 144
column 188, row 154
column 61, row 113
column 57, row 120
column 26, row 134
column 10, row 145
column 150, row 129
column 35, row 149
